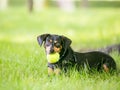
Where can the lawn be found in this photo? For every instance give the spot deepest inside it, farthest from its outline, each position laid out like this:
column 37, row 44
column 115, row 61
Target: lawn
column 23, row 64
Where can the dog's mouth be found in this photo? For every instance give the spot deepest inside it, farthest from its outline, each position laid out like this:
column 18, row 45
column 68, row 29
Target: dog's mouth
column 53, row 53
column 53, row 50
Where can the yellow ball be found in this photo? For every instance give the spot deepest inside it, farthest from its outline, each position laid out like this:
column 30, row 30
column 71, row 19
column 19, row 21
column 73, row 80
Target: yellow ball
column 53, row 58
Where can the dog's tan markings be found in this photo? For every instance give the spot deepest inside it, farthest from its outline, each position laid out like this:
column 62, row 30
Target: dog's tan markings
column 55, row 41
column 57, row 49
column 57, row 71
column 50, row 71
column 106, row 69
column 50, row 40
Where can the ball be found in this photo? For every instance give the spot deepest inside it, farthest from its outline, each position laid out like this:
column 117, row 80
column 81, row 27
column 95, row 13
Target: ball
column 53, row 58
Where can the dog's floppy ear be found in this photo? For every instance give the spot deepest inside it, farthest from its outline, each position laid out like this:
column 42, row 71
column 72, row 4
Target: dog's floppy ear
column 66, row 42
column 42, row 38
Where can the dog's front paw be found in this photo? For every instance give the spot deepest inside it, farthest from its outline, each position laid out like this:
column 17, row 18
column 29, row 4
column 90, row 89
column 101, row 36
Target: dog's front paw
column 57, row 71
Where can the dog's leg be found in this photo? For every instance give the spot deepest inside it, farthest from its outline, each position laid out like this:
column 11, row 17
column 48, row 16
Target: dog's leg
column 50, row 71
column 57, row 71
column 105, row 67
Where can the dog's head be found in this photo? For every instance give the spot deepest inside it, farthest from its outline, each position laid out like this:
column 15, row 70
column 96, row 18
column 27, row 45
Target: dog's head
column 54, row 43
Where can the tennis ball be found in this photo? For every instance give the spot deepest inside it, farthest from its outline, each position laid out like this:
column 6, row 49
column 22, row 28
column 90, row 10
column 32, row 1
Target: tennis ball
column 53, row 58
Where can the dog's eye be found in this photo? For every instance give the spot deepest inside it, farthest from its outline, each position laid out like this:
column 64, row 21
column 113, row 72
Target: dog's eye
column 50, row 40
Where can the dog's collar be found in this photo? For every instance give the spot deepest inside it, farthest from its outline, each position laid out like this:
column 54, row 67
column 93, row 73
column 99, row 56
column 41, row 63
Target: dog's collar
column 75, row 59
column 63, row 55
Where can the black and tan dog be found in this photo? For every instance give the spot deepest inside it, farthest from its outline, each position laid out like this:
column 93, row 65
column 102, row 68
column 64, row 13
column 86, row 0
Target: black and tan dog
column 68, row 58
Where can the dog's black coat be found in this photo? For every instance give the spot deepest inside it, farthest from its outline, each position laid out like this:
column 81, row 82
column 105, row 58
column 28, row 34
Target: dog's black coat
column 69, row 58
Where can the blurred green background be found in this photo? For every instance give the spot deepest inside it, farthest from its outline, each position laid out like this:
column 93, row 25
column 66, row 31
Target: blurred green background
column 92, row 3
column 84, row 21
column 89, row 24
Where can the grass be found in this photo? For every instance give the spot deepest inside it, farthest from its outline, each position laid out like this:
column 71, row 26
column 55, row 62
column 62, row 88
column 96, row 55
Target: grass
column 23, row 64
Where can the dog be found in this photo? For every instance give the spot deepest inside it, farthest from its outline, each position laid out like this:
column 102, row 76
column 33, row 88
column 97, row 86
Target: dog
column 68, row 58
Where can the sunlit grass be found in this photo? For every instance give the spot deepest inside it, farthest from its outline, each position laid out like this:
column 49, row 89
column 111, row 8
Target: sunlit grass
column 23, row 64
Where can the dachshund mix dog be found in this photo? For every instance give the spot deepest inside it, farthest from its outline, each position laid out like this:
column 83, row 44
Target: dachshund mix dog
column 69, row 58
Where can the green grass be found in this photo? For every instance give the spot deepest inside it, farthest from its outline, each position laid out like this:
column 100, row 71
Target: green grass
column 23, row 64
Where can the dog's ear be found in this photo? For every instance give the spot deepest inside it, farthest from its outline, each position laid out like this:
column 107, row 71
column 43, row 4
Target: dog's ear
column 66, row 42
column 42, row 38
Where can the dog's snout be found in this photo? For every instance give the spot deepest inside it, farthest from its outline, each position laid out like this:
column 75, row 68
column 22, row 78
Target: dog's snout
column 52, row 50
